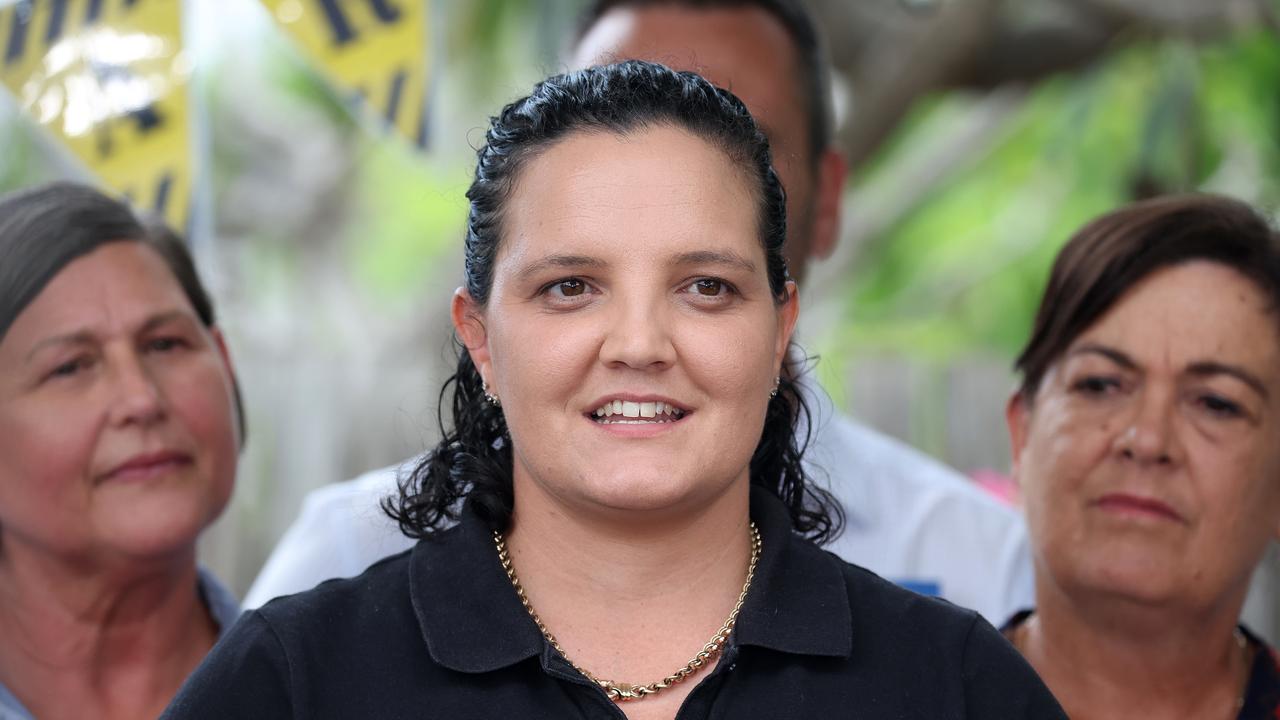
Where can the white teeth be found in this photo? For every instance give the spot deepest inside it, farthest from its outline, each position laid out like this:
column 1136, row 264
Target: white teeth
column 628, row 411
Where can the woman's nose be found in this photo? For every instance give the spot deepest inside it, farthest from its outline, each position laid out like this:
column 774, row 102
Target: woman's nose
column 638, row 336
column 1149, row 436
column 135, row 395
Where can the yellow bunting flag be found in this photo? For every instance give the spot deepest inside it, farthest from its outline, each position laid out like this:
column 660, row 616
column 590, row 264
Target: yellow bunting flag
column 375, row 50
column 108, row 79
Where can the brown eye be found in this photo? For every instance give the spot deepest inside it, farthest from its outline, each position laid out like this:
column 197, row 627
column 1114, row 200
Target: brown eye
column 1094, row 385
column 571, row 287
column 709, row 286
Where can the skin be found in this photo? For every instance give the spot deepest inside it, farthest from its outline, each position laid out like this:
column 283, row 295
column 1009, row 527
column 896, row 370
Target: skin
column 748, row 52
column 630, row 266
column 1148, row 462
column 118, row 445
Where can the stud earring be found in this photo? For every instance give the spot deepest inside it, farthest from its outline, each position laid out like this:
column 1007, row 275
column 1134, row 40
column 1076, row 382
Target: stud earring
column 774, row 392
column 490, row 397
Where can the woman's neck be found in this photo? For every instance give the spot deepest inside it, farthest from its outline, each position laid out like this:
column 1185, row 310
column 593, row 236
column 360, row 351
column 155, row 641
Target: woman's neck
column 85, row 642
column 1108, row 658
column 633, row 601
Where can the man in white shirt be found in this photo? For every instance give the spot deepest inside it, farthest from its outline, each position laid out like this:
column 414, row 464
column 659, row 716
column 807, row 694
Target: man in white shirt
column 909, row 518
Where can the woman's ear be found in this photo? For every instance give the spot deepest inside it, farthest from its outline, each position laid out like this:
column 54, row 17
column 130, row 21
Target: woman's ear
column 1016, row 416
column 832, row 170
column 469, row 325
column 788, row 311
column 220, row 344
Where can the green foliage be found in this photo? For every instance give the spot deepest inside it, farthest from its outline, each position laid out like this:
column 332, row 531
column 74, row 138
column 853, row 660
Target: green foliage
column 962, row 270
column 409, row 215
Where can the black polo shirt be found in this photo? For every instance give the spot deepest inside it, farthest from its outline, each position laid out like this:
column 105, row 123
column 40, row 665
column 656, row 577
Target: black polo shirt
column 438, row 632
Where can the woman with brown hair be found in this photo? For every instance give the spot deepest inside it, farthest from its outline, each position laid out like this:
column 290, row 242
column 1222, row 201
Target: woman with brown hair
column 1146, row 439
column 119, row 434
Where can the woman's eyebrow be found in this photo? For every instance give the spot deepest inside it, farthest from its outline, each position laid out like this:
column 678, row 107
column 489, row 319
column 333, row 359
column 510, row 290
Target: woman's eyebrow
column 79, row 337
column 715, row 257
column 1116, row 356
column 164, row 317
column 1203, row 368
column 562, row 262
column 86, row 337
column 1209, row 368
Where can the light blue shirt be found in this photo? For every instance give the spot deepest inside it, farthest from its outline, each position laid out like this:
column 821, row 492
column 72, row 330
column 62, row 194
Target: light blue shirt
column 222, row 605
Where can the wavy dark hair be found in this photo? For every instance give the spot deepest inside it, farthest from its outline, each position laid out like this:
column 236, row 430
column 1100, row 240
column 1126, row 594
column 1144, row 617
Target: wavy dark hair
column 473, row 460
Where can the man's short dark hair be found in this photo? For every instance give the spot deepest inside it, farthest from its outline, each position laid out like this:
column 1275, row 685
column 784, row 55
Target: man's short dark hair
column 813, row 69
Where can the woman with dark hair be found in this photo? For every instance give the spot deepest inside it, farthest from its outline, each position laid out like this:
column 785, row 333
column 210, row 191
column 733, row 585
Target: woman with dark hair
column 119, row 433
column 1144, row 437
column 616, row 523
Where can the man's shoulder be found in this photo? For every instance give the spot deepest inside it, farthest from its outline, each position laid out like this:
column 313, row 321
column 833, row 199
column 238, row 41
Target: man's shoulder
column 850, row 454
column 851, row 442
column 359, row 494
column 340, row 530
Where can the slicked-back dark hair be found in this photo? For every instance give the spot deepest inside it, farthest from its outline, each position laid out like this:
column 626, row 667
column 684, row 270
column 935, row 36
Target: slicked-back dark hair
column 1113, row 253
column 474, row 458
column 813, row 69
column 43, row 229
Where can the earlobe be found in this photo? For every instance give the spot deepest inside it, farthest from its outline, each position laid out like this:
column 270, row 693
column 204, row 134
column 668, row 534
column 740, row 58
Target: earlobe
column 467, row 323
column 826, row 208
column 1016, row 415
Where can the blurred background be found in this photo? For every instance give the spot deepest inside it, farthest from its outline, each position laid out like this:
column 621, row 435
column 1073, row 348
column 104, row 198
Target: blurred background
column 316, row 153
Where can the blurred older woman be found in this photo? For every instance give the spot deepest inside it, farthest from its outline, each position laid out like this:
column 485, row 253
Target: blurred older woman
column 118, row 445
column 1146, row 438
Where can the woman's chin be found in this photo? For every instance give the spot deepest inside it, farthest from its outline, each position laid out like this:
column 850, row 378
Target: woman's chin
column 152, row 533
column 1132, row 578
column 643, row 493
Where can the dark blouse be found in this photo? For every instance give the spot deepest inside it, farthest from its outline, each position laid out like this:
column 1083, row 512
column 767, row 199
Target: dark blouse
column 1261, row 694
column 438, row 632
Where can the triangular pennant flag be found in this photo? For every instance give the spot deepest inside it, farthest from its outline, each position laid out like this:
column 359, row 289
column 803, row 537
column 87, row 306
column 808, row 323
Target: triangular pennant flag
column 108, row 80
column 373, row 51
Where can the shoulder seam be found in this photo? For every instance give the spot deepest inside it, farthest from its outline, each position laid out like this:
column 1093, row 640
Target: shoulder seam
column 284, row 650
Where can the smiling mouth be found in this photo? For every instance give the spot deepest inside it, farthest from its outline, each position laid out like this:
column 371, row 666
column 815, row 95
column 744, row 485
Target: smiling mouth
column 626, row 412
column 148, row 465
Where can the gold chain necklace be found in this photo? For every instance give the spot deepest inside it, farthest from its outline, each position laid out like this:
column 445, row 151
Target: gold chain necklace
column 619, row 692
